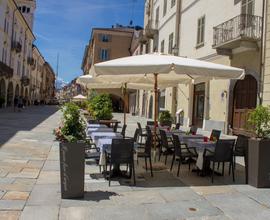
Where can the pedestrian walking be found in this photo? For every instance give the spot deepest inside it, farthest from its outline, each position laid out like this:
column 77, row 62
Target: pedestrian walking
column 16, row 100
column 20, row 103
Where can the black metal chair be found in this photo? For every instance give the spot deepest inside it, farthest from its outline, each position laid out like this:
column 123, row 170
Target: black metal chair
column 123, row 132
column 241, row 150
column 92, row 153
column 122, row 152
column 115, row 126
column 142, row 133
column 223, row 153
column 168, row 148
column 147, row 150
column 215, row 134
column 182, row 152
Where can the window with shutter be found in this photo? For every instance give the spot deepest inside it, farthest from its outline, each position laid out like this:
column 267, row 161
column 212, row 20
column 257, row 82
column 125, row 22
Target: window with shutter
column 200, row 31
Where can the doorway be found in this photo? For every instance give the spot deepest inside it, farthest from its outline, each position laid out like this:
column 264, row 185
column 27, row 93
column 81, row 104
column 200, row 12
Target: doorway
column 198, row 105
column 244, row 101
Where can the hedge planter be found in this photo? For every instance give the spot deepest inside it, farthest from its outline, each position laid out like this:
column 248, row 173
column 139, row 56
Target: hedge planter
column 259, row 163
column 72, row 170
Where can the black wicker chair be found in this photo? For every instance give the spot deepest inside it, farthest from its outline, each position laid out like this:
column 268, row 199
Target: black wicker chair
column 241, row 150
column 168, row 148
column 142, row 134
column 147, row 150
column 223, row 153
column 123, row 132
column 182, row 152
column 122, row 152
column 115, row 126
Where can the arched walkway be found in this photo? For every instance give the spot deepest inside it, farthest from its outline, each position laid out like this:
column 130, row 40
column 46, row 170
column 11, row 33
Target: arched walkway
column 244, row 100
column 10, row 94
column 17, row 91
column 2, row 90
column 150, row 113
column 118, row 103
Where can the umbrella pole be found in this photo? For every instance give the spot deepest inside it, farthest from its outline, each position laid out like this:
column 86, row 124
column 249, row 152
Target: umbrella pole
column 125, row 103
column 155, row 114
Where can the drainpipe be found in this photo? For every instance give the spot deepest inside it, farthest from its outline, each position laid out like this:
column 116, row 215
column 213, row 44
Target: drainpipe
column 263, row 49
column 177, row 25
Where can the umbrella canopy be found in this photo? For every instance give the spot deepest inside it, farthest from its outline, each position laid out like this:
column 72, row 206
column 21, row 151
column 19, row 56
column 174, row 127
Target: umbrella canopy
column 79, row 97
column 168, row 68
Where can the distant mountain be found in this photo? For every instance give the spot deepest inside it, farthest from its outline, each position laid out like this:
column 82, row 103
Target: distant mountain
column 60, row 83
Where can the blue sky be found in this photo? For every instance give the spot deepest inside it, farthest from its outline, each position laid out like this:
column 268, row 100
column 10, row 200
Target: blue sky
column 64, row 27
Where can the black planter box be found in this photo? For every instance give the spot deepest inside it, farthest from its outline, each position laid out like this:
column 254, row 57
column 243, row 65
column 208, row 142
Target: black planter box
column 259, row 163
column 72, row 157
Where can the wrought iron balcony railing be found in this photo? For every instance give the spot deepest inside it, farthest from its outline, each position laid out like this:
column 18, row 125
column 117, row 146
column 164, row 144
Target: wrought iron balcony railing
column 5, row 70
column 243, row 27
column 25, row 80
column 30, row 61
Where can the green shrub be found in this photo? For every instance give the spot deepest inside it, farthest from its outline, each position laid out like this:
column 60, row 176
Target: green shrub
column 165, row 118
column 100, row 107
column 259, row 121
column 82, row 104
column 73, row 128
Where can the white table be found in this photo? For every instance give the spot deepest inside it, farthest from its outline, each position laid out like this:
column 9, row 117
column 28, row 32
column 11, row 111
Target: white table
column 96, row 126
column 186, row 137
column 200, row 145
column 91, row 130
column 97, row 135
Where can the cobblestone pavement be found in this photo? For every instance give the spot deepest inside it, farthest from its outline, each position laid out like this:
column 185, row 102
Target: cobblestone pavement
column 30, row 182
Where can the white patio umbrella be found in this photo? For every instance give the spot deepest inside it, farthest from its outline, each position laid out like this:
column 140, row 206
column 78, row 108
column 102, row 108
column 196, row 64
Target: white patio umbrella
column 96, row 83
column 164, row 68
column 79, row 97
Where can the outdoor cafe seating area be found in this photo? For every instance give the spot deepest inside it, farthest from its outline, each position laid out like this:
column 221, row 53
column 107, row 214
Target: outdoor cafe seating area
column 204, row 153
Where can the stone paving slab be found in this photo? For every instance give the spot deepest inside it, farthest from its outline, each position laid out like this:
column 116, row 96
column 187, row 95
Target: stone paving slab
column 40, row 213
column 16, row 205
column 15, row 195
column 9, row 215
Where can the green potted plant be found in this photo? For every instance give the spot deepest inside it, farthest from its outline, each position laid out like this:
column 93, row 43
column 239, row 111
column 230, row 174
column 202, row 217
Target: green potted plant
column 259, row 148
column 72, row 151
column 2, row 101
column 165, row 118
column 100, row 107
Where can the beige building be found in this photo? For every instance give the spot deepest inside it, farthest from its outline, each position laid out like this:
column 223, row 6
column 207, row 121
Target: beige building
column 48, row 84
column 21, row 64
column 106, row 44
column 225, row 32
column 36, row 75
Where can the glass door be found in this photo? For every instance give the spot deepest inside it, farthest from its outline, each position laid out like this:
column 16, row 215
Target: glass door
column 198, row 105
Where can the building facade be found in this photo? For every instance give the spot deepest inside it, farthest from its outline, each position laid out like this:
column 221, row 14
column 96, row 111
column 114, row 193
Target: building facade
column 18, row 74
column 106, row 44
column 222, row 32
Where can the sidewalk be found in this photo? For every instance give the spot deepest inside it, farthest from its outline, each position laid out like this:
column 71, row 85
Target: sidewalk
column 30, row 183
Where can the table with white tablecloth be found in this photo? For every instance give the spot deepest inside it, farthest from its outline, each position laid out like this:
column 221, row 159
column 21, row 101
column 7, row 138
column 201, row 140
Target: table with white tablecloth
column 184, row 138
column 97, row 135
column 96, row 126
column 91, row 130
column 200, row 146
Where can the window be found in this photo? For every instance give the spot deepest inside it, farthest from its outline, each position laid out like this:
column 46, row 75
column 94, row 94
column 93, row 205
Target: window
column 172, row 3
column 28, row 10
column 162, row 100
column 157, row 17
column 200, row 32
column 164, row 7
column 162, row 46
column 23, row 9
column 170, row 44
column 247, row 7
column 104, row 54
column 105, row 38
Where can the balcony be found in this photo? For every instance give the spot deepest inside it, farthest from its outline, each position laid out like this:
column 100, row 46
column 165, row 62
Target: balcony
column 151, row 29
column 25, row 80
column 17, row 47
column 242, row 32
column 5, row 70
